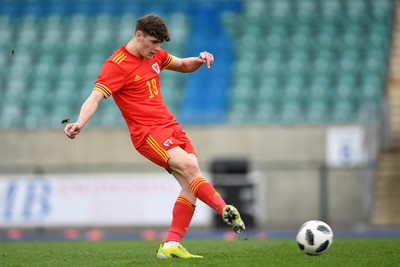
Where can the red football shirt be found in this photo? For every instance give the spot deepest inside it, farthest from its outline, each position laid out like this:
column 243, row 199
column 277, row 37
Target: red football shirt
column 134, row 83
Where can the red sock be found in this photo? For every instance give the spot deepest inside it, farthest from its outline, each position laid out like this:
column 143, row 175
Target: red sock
column 181, row 217
column 204, row 191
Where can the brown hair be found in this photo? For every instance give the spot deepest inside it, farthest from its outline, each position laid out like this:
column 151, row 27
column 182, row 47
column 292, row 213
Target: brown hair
column 154, row 26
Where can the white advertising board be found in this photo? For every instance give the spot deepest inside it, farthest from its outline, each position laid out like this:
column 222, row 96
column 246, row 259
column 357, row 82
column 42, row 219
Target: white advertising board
column 80, row 200
column 345, row 146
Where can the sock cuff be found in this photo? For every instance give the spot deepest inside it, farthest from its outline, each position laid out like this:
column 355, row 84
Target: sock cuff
column 194, row 185
column 183, row 200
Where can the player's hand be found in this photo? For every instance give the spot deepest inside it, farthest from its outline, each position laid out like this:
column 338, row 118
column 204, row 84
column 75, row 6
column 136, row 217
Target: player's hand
column 72, row 130
column 207, row 58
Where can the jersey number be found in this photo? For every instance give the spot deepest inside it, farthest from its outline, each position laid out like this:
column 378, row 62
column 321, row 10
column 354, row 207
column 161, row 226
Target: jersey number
column 153, row 90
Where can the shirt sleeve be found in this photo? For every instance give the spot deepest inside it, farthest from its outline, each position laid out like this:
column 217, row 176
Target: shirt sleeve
column 110, row 79
column 167, row 60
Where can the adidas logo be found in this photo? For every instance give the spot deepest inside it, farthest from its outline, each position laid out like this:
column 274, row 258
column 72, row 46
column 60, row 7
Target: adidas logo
column 137, row 78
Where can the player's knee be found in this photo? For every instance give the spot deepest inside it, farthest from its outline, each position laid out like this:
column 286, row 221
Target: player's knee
column 191, row 168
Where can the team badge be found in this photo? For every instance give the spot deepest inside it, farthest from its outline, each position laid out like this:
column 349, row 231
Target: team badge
column 167, row 142
column 156, row 68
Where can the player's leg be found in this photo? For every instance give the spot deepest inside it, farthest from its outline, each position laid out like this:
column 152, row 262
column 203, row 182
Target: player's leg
column 183, row 209
column 182, row 214
column 185, row 166
column 171, row 149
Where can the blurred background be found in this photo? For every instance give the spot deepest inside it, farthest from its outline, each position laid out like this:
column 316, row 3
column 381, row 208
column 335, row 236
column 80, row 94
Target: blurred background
column 297, row 119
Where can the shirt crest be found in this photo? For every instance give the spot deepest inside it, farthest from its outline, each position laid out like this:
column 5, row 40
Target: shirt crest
column 156, row 68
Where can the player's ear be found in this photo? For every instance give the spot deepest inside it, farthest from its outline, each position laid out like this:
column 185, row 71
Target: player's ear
column 139, row 35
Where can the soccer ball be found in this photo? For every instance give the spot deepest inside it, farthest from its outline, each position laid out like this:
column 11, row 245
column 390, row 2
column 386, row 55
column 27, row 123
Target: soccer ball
column 314, row 237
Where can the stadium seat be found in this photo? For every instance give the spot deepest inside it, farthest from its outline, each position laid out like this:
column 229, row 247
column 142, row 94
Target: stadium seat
column 291, row 112
column 39, row 94
column 294, row 89
column 346, row 87
column 27, row 31
column 256, row 7
column 352, row 38
column 268, row 89
column 240, row 112
column 275, row 40
column 316, row 92
column 305, row 11
column 272, row 64
column 45, row 68
column 11, row 115
column 266, row 112
column 330, row 11
column 279, row 11
column 326, row 58
column 15, row 92
column 343, row 112
column 323, row 62
column 57, row 113
column 243, row 90
column 317, row 112
column 36, row 116
column 295, row 63
column 6, row 34
column 356, row 11
column 108, row 116
column 172, row 91
column 372, row 88
column 382, row 11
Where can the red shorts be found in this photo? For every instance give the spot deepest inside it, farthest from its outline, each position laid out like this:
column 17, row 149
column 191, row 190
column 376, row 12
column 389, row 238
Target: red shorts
column 161, row 140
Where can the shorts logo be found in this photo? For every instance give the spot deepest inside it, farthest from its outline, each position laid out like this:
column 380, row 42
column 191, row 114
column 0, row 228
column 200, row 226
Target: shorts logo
column 167, row 142
column 156, row 68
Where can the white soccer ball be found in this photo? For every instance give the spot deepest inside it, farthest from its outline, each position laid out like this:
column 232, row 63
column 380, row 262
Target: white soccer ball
column 314, row 237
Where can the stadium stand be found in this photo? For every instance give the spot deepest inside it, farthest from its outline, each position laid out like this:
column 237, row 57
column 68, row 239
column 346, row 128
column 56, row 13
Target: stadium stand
column 277, row 61
column 329, row 60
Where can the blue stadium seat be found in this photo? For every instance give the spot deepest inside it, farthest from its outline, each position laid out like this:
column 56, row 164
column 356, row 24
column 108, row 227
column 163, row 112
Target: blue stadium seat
column 268, row 89
column 109, row 116
column 39, row 94
column 372, row 88
column 294, row 89
column 318, row 62
column 291, row 112
column 279, row 11
column 266, row 112
column 305, row 12
column 240, row 112
column 346, row 87
column 317, row 112
column 330, row 13
column 36, row 116
column 320, row 88
column 343, row 111
column 11, row 115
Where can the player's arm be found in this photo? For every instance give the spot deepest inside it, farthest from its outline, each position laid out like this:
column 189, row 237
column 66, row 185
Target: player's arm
column 190, row 64
column 88, row 109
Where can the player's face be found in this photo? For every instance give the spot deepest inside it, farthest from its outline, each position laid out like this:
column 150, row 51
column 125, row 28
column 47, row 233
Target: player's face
column 149, row 45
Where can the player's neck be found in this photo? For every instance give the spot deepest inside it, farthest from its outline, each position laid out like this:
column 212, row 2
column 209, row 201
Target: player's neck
column 131, row 46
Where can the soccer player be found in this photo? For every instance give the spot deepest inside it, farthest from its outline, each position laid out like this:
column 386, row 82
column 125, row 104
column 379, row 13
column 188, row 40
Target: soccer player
column 131, row 75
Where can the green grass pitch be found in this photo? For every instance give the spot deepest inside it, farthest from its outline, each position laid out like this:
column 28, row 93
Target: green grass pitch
column 273, row 252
